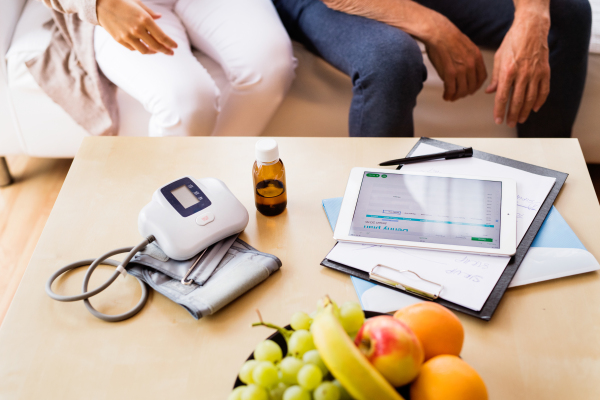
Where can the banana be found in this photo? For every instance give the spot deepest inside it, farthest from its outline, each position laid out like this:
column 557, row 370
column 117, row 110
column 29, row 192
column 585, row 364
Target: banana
column 345, row 361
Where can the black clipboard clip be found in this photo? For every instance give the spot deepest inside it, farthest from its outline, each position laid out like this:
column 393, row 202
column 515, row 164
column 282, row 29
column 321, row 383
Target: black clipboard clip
column 390, row 282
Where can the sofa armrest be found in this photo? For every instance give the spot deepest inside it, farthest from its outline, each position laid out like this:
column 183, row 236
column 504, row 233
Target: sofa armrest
column 11, row 12
column 9, row 137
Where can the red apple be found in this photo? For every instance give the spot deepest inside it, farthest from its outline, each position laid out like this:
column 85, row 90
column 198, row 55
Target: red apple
column 392, row 348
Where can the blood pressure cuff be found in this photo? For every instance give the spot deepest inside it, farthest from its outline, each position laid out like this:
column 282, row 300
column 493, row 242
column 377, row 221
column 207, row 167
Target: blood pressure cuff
column 226, row 270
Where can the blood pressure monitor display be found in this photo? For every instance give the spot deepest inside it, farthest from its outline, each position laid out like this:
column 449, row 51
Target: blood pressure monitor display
column 185, row 197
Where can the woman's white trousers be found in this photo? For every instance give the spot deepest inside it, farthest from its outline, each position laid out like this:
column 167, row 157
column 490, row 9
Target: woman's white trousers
column 245, row 37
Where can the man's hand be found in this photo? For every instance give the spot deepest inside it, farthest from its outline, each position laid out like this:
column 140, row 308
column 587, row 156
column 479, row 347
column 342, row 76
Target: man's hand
column 457, row 60
column 131, row 23
column 521, row 64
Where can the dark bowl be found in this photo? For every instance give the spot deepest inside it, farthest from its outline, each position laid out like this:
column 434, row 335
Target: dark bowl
column 280, row 340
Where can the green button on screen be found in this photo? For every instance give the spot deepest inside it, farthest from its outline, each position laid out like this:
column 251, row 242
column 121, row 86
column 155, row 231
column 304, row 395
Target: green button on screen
column 482, row 239
column 373, row 175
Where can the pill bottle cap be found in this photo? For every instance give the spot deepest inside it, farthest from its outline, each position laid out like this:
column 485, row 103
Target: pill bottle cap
column 267, row 150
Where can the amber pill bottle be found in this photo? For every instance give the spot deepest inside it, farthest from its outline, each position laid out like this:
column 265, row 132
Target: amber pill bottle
column 268, row 173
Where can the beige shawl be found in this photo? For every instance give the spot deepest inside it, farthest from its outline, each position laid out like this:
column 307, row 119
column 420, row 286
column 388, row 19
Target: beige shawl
column 67, row 70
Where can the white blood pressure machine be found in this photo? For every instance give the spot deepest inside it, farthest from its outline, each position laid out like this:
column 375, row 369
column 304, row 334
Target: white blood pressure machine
column 188, row 215
column 184, row 218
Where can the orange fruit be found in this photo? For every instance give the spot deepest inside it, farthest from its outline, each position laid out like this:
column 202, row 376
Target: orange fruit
column 448, row 377
column 438, row 329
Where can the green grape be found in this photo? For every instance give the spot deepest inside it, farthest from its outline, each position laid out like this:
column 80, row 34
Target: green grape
column 268, row 350
column 309, row 377
column 326, row 391
column 343, row 392
column 300, row 342
column 254, row 392
column 236, row 394
column 300, row 320
column 313, row 357
column 352, row 317
column 289, row 368
column 265, row 374
column 277, row 392
column 246, row 371
column 296, row 393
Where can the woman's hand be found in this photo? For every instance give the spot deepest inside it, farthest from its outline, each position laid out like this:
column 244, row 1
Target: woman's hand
column 132, row 24
column 522, row 64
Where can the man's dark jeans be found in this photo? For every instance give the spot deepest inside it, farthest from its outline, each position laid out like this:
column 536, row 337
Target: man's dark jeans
column 387, row 70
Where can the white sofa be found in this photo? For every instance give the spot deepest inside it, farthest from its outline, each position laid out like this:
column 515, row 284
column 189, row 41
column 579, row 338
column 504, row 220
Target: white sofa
column 317, row 104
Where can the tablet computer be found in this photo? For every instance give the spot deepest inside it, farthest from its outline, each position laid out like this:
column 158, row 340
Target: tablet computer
column 472, row 214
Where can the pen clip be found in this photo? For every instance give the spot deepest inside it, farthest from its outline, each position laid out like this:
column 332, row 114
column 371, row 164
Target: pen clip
column 411, row 289
column 445, row 155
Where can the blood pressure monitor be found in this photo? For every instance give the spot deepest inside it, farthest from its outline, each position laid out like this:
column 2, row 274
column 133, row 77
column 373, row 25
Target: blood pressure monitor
column 188, row 215
column 184, row 218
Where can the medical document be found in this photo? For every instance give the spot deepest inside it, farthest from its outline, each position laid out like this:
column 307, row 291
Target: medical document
column 467, row 279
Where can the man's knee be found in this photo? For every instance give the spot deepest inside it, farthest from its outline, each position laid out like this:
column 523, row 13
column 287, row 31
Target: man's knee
column 189, row 109
column 572, row 21
column 576, row 12
column 391, row 63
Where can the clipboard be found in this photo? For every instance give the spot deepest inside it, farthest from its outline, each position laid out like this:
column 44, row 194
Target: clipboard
column 509, row 272
column 429, row 295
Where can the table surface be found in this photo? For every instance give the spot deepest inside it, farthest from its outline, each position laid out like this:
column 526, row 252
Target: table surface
column 542, row 342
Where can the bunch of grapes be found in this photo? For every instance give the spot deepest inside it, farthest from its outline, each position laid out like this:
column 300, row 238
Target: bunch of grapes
column 301, row 374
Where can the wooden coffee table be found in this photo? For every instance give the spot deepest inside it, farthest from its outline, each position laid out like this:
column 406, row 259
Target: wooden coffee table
column 542, row 343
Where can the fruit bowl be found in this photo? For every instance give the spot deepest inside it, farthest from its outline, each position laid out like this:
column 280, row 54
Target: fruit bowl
column 280, row 340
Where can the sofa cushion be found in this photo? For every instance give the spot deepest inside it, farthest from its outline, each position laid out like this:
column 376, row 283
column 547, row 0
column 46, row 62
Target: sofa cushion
column 595, row 39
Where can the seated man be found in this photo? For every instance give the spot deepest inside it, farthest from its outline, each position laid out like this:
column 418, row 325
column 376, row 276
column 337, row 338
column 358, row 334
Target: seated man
column 540, row 63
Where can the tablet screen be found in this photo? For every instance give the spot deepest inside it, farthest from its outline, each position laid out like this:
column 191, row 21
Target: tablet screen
column 429, row 209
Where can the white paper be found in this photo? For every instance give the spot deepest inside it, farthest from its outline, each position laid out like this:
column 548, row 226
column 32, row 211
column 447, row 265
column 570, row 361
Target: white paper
column 467, row 279
column 540, row 264
column 384, row 300
column 546, row 263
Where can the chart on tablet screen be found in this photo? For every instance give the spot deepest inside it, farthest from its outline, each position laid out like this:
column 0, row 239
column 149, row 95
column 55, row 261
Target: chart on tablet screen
column 429, row 209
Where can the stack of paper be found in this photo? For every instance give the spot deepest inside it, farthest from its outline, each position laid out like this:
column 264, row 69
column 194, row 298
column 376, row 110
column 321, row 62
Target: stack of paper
column 467, row 279
column 555, row 252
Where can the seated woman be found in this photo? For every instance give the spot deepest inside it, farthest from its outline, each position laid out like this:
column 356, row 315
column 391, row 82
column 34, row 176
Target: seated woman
column 145, row 48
